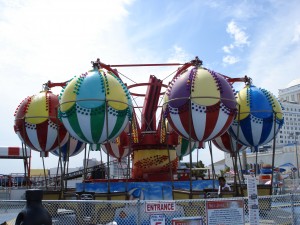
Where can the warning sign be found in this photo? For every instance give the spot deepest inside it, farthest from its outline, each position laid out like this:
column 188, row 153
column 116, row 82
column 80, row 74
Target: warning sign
column 225, row 212
column 157, row 219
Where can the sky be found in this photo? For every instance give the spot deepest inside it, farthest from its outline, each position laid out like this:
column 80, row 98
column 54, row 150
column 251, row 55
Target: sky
column 55, row 40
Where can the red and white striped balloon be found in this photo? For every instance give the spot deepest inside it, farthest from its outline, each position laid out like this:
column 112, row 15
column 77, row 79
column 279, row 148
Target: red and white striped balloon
column 200, row 104
column 118, row 148
column 37, row 124
column 227, row 143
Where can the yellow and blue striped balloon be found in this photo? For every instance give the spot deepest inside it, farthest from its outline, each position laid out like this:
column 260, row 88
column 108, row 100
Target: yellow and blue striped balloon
column 259, row 117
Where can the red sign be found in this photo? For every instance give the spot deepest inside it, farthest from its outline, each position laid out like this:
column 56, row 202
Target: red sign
column 187, row 221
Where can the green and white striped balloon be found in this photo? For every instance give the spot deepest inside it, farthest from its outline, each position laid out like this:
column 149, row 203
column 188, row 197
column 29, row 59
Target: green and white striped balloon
column 95, row 107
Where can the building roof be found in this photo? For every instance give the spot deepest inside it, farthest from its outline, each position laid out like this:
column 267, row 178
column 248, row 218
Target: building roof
column 221, row 162
column 293, row 83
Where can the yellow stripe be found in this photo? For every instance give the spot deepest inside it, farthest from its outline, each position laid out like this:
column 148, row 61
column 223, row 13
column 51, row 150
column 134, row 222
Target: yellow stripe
column 37, row 112
column 205, row 89
column 277, row 109
column 242, row 102
column 116, row 96
column 69, row 97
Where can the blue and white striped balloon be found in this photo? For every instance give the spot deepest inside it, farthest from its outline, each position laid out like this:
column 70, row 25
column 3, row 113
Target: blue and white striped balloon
column 71, row 148
column 259, row 117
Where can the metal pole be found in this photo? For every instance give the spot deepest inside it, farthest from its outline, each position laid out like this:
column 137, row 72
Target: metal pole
column 190, row 145
column 297, row 154
column 273, row 155
column 256, row 167
column 107, row 153
column 212, row 163
column 241, row 170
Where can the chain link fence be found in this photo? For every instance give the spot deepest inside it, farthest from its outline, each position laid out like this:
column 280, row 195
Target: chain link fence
column 279, row 209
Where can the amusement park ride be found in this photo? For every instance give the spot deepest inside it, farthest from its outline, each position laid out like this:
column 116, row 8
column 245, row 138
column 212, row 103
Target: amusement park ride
column 199, row 105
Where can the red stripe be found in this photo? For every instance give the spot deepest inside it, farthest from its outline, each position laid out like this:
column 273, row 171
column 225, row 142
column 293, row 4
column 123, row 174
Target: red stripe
column 186, row 119
column 109, row 149
column 227, row 125
column 61, row 136
column 52, row 102
column 227, row 142
column 23, row 134
column 216, row 142
column 211, row 121
column 42, row 133
column 14, row 151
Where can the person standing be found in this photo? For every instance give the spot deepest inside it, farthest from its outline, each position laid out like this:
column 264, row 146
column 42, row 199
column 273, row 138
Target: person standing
column 223, row 186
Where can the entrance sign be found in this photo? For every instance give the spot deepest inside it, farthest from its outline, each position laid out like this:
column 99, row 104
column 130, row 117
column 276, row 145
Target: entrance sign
column 225, row 212
column 160, row 207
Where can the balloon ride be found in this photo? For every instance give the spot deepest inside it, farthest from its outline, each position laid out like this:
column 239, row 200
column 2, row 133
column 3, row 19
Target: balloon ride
column 173, row 119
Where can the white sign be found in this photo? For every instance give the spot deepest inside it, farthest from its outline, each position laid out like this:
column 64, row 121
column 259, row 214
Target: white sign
column 160, row 207
column 225, row 212
column 157, row 219
column 252, row 201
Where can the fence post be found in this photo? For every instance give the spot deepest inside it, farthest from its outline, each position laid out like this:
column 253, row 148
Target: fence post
column 139, row 212
column 294, row 218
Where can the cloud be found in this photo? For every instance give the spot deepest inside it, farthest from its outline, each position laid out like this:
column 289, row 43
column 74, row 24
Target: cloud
column 178, row 54
column 296, row 37
column 240, row 39
column 227, row 49
column 239, row 36
column 228, row 59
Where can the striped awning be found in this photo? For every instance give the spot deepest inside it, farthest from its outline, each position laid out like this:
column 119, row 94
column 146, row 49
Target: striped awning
column 14, row 153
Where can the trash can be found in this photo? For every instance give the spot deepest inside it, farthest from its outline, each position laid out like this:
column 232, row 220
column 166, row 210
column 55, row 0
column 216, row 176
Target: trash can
column 34, row 212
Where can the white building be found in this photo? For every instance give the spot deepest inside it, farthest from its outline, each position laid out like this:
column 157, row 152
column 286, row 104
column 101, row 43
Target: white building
column 290, row 100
